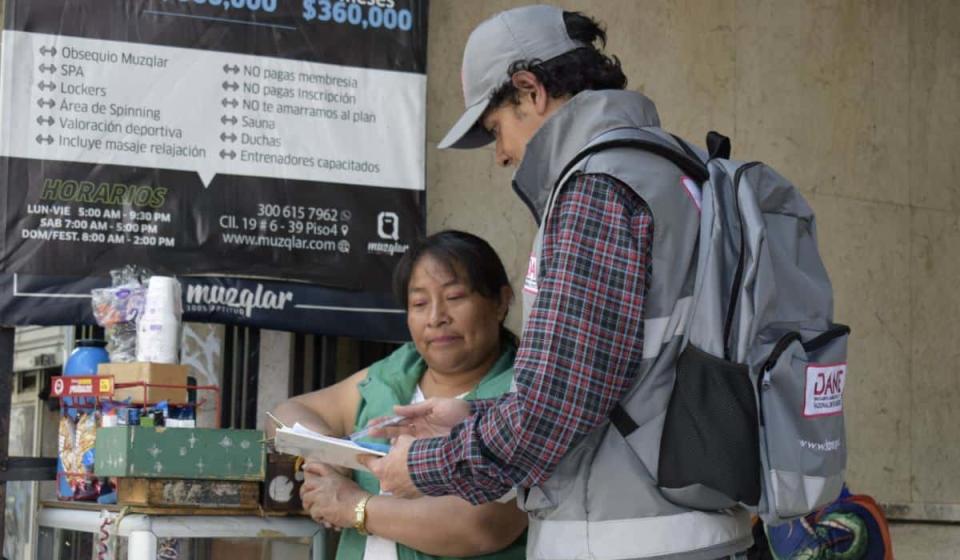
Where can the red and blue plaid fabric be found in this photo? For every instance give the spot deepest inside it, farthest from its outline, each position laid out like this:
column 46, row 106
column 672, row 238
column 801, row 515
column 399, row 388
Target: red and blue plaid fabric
column 580, row 351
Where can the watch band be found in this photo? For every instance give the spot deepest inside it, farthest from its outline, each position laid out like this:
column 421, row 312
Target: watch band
column 360, row 515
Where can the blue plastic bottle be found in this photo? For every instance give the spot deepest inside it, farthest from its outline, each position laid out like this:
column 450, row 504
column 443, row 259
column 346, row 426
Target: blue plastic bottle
column 86, row 356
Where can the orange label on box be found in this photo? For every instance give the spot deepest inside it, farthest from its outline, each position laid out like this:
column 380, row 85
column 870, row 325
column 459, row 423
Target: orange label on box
column 81, row 386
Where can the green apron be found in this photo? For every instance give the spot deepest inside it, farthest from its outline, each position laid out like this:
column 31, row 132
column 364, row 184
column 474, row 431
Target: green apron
column 392, row 381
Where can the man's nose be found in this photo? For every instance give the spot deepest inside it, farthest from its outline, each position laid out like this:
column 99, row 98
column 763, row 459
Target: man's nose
column 503, row 160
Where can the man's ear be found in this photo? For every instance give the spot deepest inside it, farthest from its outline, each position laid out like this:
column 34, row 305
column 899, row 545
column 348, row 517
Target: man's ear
column 530, row 86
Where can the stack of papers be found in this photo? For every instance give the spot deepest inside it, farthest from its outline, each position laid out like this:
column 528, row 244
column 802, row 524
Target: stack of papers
column 315, row 447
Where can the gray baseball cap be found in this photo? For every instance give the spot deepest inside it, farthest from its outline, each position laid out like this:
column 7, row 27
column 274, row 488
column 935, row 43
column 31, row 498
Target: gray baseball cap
column 530, row 32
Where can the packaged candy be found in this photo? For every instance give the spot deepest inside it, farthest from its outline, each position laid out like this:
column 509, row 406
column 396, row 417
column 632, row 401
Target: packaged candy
column 76, row 443
column 118, row 309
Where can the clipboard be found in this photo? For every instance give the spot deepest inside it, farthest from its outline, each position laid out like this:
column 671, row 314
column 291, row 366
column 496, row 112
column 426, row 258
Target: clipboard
column 325, row 449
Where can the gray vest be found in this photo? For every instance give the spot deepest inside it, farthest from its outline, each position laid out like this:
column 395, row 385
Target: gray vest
column 602, row 500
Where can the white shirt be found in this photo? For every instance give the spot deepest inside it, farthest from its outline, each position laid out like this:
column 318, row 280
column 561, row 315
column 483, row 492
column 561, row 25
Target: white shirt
column 379, row 548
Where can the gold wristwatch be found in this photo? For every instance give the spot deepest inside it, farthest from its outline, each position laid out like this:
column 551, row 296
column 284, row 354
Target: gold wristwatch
column 360, row 515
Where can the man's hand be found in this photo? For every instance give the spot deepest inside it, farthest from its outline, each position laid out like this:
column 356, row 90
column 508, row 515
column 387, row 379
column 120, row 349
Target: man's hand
column 330, row 497
column 392, row 469
column 433, row 417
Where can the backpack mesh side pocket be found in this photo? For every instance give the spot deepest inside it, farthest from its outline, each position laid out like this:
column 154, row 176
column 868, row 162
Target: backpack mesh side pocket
column 709, row 454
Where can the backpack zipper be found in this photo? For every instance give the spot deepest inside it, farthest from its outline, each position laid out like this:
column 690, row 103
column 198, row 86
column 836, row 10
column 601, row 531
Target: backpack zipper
column 823, row 338
column 779, row 348
column 738, row 277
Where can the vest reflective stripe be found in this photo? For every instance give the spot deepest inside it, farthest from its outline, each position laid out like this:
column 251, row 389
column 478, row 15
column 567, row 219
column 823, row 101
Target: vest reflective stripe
column 659, row 330
column 794, row 492
column 650, row 537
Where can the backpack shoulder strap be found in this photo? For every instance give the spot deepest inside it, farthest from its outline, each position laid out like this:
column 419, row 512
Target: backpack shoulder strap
column 690, row 164
column 686, row 160
column 686, row 147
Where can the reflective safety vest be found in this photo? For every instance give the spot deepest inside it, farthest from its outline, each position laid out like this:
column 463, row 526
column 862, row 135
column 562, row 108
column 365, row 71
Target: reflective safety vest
column 602, row 501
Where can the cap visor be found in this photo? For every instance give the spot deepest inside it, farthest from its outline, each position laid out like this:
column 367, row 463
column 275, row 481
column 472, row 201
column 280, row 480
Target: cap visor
column 467, row 132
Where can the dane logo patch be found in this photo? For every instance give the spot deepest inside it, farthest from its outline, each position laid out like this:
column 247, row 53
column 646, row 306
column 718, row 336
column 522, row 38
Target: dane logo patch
column 530, row 280
column 823, row 395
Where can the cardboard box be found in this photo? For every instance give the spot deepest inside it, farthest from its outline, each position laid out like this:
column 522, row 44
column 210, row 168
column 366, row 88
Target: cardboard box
column 161, row 374
column 202, row 453
column 168, row 492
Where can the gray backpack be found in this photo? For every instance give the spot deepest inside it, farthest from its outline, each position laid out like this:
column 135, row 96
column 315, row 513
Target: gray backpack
column 756, row 413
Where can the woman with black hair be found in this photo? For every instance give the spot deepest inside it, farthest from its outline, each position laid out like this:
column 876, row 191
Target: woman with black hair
column 456, row 293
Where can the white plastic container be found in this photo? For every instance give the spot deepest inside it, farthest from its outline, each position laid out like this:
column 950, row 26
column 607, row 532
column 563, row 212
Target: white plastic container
column 158, row 331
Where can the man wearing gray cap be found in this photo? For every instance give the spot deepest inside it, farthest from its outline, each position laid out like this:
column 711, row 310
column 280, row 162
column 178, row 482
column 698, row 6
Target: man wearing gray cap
column 605, row 297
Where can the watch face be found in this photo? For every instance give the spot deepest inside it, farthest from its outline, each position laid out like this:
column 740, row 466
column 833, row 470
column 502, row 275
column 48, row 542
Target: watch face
column 280, row 489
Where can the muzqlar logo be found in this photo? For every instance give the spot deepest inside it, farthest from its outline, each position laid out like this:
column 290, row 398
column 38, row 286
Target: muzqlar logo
column 240, row 301
column 388, row 230
column 388, row 226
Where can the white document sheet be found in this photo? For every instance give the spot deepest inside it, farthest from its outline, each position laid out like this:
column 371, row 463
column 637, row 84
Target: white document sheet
column 317, row 447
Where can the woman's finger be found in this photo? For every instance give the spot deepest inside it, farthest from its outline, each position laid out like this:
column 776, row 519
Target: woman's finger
column 374, row 421
column 389, row 432
column 319, row 469
column 414, row 410
column 307, row 498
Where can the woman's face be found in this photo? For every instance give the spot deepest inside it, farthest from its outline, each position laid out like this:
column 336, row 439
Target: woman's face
column 455, row 328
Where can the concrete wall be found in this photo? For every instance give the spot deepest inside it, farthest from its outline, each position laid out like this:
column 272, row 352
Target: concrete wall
column 857, row 102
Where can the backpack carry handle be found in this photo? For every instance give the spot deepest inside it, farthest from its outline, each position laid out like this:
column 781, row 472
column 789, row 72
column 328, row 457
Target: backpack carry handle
column 718, row 145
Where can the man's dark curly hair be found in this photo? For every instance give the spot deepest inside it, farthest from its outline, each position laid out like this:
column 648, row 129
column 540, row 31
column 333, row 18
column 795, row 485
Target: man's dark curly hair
column 586, row 68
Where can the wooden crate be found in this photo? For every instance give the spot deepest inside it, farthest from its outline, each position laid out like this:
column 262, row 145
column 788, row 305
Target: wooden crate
column 188, row 453
column 281, row 487
column 164, row 492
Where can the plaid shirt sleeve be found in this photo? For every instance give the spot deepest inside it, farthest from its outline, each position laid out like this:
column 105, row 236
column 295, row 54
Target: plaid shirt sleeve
column 480, row 406
column 579, row 353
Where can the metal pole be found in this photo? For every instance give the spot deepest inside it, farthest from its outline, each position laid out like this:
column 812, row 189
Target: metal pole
column 141, row 545
column 6, row 393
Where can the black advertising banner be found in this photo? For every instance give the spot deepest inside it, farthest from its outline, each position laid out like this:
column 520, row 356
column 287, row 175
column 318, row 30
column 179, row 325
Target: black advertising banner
column 269, row 153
